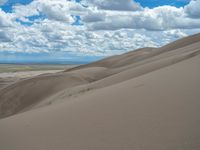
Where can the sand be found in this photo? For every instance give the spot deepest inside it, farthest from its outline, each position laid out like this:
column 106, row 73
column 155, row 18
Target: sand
column 7, row 78
column 10, row 73
column 144, row 99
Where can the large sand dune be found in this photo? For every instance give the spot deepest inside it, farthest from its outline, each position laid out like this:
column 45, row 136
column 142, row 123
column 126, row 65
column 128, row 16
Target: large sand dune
column 144, row 99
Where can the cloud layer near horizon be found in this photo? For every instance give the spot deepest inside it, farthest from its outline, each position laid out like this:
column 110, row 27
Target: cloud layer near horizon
column 93, row 27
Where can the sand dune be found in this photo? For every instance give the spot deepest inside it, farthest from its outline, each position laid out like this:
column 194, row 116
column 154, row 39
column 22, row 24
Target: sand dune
column 7, row 78
column 144, row 99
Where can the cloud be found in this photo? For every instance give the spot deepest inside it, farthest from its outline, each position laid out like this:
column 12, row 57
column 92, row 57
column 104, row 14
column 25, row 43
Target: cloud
column 5, row 19
column 193, row 9
column 119, row 5
column 2, row 2
column 26, row 10
column 175, row 33
column 58, row 10
column 4, row 37
column 171, row 35
column 112, row 27
column 159, row 18
column 93, row 16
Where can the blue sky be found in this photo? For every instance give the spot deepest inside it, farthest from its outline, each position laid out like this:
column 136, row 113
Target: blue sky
column 7, row 7
column 85, row 30
column 155, row 3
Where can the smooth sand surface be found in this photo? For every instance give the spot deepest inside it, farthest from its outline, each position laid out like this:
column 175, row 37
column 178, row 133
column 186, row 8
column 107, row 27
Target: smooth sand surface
column 145, row 99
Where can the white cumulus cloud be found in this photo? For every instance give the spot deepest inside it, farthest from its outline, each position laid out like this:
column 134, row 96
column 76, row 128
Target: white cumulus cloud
column 193, row 9
column 119, row 5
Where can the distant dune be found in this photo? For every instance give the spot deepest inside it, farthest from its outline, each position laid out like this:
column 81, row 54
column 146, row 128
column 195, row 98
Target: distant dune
column 145, row 99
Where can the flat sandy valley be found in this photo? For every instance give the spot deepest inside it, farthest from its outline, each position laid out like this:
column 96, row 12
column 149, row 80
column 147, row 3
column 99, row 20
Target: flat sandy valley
column 147, row 99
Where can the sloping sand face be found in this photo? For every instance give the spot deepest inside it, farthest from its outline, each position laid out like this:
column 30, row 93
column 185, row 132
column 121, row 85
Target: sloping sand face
column 152, row 103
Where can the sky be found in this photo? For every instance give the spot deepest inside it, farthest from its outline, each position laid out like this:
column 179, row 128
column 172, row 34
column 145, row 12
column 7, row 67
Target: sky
column 86, row 30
